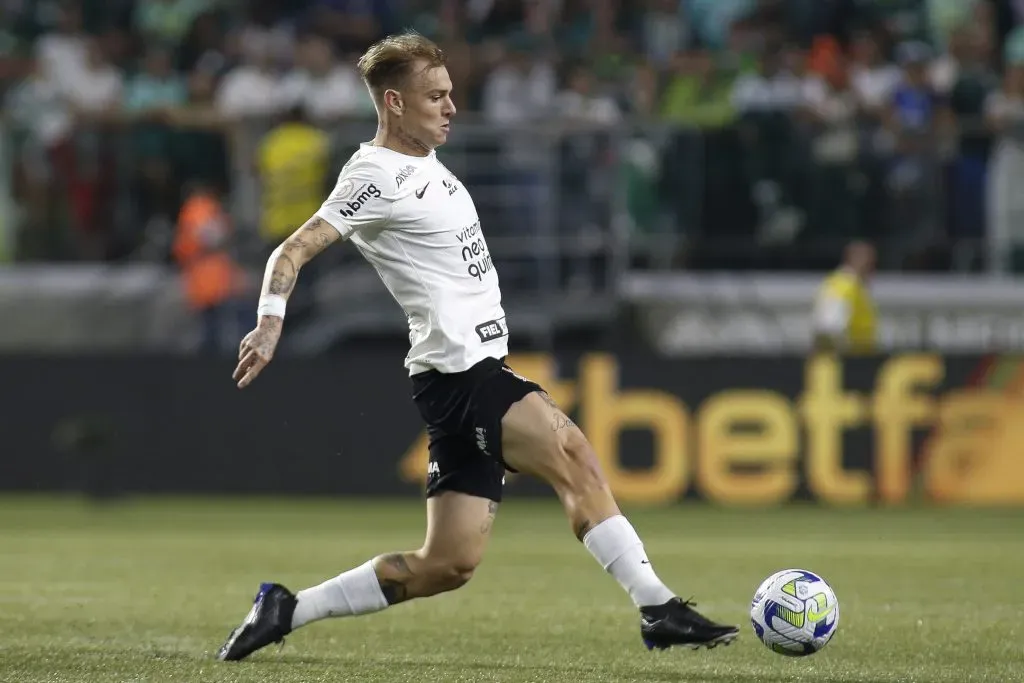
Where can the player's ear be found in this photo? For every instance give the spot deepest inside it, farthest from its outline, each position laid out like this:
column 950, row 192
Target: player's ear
column 393, row 101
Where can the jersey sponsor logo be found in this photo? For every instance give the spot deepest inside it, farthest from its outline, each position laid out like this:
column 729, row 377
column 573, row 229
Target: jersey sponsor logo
column 491, row 330
column 421, row 191
column 451, row 186
column 361, row 196
column 474, row 251
column 404, row 174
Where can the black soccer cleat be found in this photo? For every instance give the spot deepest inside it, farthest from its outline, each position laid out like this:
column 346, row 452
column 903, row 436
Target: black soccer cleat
column 269, row 621
column 677, row 624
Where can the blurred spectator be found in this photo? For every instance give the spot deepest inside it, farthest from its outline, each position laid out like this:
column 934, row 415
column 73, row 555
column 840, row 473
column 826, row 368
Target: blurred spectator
column 664, row 31
column 204, row 46
column 293, row 171
column 712, row 19
column 351, row 24
column 44, row 122
column 911, row 120
column 266, row 28
column 974, row 81
column 845, row 318
column 789, row 120
column 62, row 52
column 1004, row 112
column 580, row 103
column 698, row 94
column 167, row 21
column 873, row 79
column 212, row 280
column 325, row 87
column 149, row 95
column 253, row 88
column 835, row 150
column 520, row 89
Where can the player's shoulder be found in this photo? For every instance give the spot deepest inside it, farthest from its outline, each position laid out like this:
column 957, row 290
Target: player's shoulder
column 840, row 283
column 387, row 169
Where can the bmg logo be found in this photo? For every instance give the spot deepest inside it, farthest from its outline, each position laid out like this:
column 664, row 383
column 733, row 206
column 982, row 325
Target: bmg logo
column 365, row 194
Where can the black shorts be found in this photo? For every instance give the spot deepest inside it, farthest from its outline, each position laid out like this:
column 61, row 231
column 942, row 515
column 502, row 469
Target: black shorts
column 463, row 412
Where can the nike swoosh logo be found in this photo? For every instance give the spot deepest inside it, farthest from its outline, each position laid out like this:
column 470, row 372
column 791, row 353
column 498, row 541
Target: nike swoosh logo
column 645, row 561
column 814, row 616
column 419, row 192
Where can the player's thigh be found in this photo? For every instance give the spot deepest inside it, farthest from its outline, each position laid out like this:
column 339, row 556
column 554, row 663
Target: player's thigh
column 538, row 438
column 458, row 528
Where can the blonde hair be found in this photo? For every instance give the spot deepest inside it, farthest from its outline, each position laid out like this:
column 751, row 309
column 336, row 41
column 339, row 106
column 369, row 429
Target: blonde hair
column 389, row 62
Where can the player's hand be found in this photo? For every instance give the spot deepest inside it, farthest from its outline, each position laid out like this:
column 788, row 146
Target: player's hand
column 256, row 350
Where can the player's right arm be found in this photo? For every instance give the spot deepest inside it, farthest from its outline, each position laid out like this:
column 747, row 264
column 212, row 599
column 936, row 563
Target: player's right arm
column 279, row 278
column 357, row 203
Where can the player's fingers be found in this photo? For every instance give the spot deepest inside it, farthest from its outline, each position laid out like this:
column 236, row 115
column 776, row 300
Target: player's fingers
column 243, row 347
column 247, row 361
column 252, row 373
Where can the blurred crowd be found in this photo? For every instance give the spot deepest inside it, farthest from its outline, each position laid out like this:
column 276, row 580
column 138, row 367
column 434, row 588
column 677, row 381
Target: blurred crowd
column 741, row 127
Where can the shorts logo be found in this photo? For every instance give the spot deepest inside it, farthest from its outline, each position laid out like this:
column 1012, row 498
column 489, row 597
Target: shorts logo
column 433, row 470
column 362, row 196
column 481, row 440
column 491, row 330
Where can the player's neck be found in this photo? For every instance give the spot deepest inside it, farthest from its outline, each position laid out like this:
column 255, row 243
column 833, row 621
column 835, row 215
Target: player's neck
column 399, row 141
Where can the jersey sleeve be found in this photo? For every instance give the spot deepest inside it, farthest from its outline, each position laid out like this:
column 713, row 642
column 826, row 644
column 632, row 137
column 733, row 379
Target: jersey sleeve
column 361, row 199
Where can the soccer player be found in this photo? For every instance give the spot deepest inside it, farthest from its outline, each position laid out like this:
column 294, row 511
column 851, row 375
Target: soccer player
column 416, row 223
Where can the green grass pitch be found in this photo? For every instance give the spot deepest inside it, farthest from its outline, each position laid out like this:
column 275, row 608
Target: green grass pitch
column 145, row 591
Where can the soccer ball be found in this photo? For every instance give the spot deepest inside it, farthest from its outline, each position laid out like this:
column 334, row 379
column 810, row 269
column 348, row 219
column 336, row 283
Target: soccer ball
column 794, row 612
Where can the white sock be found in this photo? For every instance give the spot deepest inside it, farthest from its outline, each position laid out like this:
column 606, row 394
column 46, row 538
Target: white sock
column 357, row 591
column 615, row 545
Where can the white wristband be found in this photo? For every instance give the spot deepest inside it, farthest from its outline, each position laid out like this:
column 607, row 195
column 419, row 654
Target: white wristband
column 272, row 304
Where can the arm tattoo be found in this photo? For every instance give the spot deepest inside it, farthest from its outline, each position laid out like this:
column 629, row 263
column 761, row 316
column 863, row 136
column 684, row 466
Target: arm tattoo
column 282, row 280
column 582, row 528
column 315, row 236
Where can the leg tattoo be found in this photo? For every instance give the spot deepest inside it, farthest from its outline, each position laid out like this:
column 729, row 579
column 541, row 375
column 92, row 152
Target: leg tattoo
column 492, row 510
column 394, row 587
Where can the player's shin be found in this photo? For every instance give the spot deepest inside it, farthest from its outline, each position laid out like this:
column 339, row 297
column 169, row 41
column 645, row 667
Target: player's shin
column 354, row 592
column 614, row 543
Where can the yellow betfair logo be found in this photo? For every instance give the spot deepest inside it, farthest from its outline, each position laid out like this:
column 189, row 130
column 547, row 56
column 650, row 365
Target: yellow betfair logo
column 756, row 445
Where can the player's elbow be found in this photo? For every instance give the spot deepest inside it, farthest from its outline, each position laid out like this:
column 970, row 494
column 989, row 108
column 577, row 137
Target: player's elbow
column 294, row 249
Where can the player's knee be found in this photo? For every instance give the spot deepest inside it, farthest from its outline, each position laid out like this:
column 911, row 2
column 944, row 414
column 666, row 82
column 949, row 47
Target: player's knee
column 456, row 573
column 449, row 573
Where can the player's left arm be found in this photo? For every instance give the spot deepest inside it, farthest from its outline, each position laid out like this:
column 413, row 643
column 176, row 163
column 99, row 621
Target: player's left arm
column 279, row 278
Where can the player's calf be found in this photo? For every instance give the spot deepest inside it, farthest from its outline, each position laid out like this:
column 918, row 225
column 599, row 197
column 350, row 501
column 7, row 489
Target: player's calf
column 540, row 440
column 404, row 576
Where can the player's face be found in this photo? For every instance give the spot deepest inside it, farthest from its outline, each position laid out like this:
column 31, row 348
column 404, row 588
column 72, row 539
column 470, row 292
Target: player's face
column 428, row 106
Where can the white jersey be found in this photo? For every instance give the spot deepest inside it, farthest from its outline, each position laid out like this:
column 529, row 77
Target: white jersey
column 417, row 225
